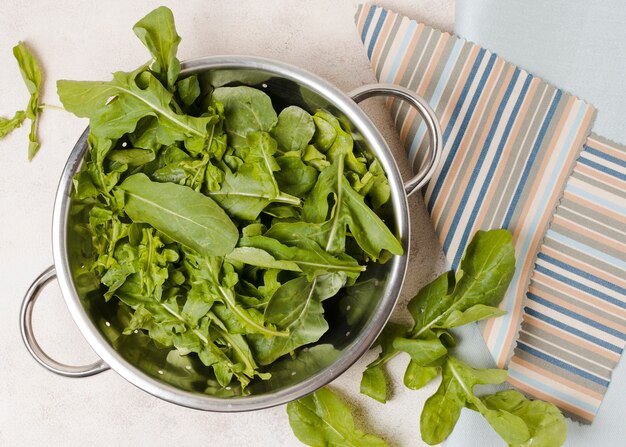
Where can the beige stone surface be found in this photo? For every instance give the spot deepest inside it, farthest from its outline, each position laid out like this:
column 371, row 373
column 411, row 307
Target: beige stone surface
column 89, row 40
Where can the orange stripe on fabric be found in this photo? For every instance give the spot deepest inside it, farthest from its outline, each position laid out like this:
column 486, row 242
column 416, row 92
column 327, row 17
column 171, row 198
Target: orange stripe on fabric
column 445, row 118
column 381, row 41
column 596, row 144
column 579, row 294
column 507, row 153
column 455, row 168
column 557, row 378
column 601, row 176
column 597, row 237
column 363, row 16
column 410, row 50
column 423, row 85
column 593, row 206
column 492, row 323
column 454, row 171
column 574, row 262
column 557, row 332
column 621, row 327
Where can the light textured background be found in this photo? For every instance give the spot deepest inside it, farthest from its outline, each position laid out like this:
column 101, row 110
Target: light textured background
column 88, row 40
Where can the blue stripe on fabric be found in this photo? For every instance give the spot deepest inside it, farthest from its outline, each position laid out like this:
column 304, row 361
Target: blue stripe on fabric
column 436, row 97
column 366, row 25
column 578, row 285
column 507, row 130
column 455, row 145
column 374, row 38
column 602, row 168
column 402, row 50
column 566, row 397
column 572, row 314
column 611, row 205
column 455, row 114
column 531, row 160
column 579, row 272
column 556, row 323
column 584, row 248
column 561, row 364
column 605, row 156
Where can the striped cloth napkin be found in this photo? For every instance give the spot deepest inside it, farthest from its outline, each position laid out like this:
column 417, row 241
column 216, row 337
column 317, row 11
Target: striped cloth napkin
column 519, row 154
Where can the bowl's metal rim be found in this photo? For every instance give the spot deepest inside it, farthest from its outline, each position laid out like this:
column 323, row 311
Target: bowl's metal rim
column 167, row 392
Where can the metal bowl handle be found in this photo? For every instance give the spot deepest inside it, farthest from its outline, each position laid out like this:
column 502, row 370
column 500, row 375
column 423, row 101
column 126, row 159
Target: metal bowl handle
column 26, row 328
column 430, row 119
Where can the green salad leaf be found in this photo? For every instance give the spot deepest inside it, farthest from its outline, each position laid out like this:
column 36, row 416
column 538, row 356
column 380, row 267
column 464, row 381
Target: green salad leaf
column 31, row 74
column 157, row 32
column 323, row 419
column 182, row 214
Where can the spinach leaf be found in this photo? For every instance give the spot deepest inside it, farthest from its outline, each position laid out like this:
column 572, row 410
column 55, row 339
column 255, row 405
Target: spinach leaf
column 247, row 110
column 157, row 32
column 182, row 214
column 294, row 130
column 322, row 419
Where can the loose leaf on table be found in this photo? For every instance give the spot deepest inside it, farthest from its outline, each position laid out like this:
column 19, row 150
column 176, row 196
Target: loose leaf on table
column 486, row 270
column 181, row 213
column 484, row 275
column 157, row 32
column 296, row 307
column 246, row 110
column 544, row 421
column 31, row 74
column 323, row 419
column 114, row 108
column 8, row 125
column 294, row 130
column 442, row 410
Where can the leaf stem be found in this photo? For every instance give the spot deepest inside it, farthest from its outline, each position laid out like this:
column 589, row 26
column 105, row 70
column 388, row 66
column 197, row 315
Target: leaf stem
column 51, row 107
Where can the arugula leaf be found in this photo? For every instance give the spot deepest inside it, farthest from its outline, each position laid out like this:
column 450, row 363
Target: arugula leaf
column 296, row 307
column 322, row 419
column 294, row 130
column 114, row 108
column 484, row 275
column 184, row 215
column 245, row 193
column 31, row 73
column 374, row 384
column 8, row 125
column 545, row 422
column 157, row 32
column 442, row 409
column 349, row 211
column 247, row 110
